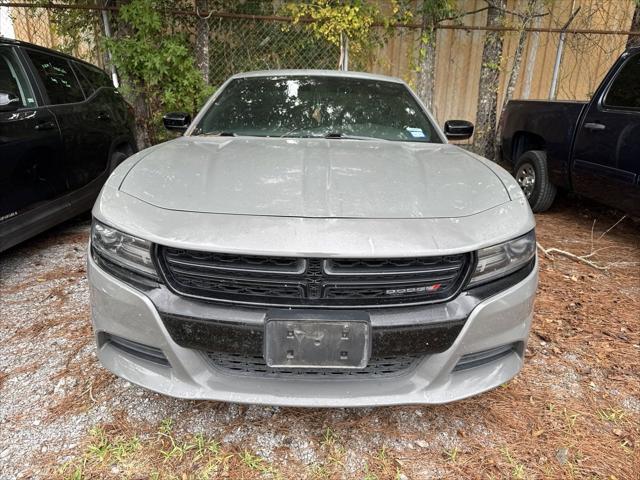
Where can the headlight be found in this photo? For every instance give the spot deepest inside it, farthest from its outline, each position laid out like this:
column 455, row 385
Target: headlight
column 122, row 249
column 501, row 260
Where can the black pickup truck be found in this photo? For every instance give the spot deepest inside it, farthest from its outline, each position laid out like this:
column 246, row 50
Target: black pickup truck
column 591, row 148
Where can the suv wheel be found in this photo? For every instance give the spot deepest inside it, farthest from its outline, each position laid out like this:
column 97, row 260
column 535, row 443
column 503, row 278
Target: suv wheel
column 533, row 177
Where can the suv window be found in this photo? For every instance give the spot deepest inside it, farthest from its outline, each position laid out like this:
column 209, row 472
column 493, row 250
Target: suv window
column 13, row 80
column 625, row 90
column 92, row 78
column 59, row 80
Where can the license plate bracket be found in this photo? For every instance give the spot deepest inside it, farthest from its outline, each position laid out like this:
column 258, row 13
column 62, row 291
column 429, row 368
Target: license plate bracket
column 317, row 340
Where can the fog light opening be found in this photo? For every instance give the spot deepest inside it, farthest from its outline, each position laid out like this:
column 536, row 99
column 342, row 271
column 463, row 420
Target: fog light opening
column 136, row 349
column 476, row 359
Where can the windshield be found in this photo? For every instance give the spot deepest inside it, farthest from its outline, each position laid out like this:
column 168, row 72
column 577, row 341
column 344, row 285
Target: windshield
column 317, row 106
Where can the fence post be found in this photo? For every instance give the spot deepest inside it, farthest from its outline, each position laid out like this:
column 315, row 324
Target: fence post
column 107, row 34
column 344, row 53
column 556, row 67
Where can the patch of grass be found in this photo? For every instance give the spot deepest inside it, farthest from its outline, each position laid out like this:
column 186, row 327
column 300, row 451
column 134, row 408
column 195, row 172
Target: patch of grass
column 102, row 449
column 517, row 469
column 328, row 437
column 159, row 454
column 570, row 418
column 319, row 471
column 613, row 415
column 451, row 454
column 382, row 465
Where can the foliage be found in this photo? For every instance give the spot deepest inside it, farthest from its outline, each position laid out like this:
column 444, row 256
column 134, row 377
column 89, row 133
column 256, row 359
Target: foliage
column 156, row 63
column 356, row 19
column 244, row 44
column 73, row 27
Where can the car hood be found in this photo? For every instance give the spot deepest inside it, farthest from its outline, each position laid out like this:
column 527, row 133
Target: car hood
column 337, row 178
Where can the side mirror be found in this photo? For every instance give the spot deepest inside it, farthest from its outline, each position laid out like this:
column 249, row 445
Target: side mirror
column 9, row 101
column 458, row 129
column 178, row 121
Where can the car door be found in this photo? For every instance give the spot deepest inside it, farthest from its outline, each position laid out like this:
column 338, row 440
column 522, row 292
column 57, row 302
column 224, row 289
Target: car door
column 99, row 116
column 30, row 143
column 84, row 134
column 606, row 164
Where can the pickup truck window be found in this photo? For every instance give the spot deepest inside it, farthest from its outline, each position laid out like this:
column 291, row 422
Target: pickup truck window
column 625, row 89
column 59, row 80
column 318, row 106
column 12, row 79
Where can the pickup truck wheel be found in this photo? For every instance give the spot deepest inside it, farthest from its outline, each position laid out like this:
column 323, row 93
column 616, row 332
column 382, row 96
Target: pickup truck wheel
column 533, row 177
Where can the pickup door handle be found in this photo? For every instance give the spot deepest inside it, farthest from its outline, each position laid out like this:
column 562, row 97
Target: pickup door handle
column 47, row 125
column 594, row 126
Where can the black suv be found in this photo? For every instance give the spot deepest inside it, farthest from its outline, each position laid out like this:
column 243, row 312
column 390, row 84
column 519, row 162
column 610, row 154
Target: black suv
column 63, row 129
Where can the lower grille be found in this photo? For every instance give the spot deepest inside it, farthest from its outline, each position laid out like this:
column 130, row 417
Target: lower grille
column 313, row 282
column 255, row 366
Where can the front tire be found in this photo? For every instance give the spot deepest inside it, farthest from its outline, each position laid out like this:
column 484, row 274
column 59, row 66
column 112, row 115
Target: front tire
column 532, row 174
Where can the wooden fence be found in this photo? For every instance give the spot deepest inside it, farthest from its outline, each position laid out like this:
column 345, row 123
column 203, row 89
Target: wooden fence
column 586, row 58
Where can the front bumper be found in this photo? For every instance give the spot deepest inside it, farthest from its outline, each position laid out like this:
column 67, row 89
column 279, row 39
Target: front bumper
column 121, row 311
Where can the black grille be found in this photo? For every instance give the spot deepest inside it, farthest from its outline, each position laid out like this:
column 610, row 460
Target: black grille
column 255, row 366
column 314, row 282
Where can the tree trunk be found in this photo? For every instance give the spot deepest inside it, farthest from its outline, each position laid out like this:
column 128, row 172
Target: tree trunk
column 484, row 137
column 134, row 93
column 427, row 63
column 202, row 40
column 530, row 63
column 634, row 40
column 517, row 56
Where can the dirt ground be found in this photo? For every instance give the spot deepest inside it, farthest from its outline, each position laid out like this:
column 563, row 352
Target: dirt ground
column 573, row 411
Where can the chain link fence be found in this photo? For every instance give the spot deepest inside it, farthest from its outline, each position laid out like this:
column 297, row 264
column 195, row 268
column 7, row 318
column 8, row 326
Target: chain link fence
column 253, row 35
column 264, row 45
column 237, row 41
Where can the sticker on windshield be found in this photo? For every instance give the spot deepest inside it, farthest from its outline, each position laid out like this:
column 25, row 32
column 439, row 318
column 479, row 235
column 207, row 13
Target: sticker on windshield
column 416, row 132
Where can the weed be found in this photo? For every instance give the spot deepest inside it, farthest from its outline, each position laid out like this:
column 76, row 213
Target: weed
column 370, row 475
column 166, row 426
column 452, row 454
column 99, row 446
column 204, row 446
column 626, row 446
column 328, row 438
column 613, row 415
column 517, row 469
column 258, row 464
column 77, row 470
column 570, row 418
column 320, row 471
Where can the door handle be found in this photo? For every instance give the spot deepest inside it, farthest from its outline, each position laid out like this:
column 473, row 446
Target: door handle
column 594, row 126
column 46, row 125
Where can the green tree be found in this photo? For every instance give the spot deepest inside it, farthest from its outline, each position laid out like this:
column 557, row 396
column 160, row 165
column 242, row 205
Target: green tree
column 358, row 20
column 156, row 63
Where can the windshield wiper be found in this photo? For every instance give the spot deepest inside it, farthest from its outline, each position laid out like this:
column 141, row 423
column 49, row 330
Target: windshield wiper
column 219, row 134
column 332, row 135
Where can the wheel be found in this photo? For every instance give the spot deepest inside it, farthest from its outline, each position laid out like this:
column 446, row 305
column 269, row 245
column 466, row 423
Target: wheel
column 116, row 159
column 532, row 175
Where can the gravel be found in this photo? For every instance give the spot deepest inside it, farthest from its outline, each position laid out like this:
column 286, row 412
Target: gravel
column 53, row 392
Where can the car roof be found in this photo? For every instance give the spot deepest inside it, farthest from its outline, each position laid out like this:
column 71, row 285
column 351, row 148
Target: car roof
column 22, row 43
column 317, row 73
